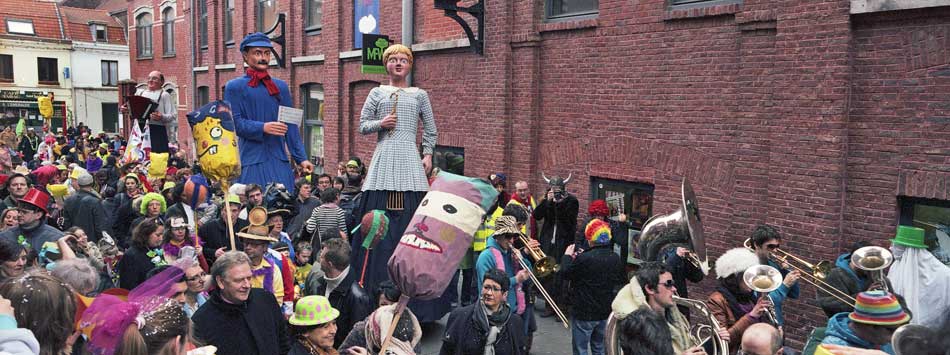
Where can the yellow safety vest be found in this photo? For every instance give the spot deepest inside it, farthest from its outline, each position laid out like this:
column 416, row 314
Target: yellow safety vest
column 486, row 231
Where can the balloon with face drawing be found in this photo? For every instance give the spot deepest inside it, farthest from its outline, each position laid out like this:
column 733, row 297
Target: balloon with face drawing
column 215, row 141
column 439, row 234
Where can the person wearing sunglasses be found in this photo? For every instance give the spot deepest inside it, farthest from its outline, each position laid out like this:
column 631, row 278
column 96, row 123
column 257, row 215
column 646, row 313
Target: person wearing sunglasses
column 766, row 240
column 653, row 288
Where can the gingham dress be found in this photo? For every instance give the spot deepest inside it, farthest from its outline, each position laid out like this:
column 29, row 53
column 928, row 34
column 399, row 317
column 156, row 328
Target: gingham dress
column 396, row 165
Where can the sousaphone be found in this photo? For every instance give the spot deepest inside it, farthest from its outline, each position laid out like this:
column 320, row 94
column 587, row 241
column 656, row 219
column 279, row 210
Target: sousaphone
column 686, row 219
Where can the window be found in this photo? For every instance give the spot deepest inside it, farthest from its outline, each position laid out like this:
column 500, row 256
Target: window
column 934, row 217
column 6, row 68
column 20, row 27
column 203, row 23
column 98, row 32
column 556, row 9
column 632, row 198
column 228, row 22
column 48, row 71
column 314, row 12
column 110, row 117
column 312, row 99
column 266, row 14
column 449, row 159
column 204, row 95
column 143, row 35
column 168, row 31
column 110, row 73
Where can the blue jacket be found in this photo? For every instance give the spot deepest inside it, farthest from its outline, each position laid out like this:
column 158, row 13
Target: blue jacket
column 839, row 333
column 486, row 261
column 251, row 108
column 844, row 262
column 783, row 292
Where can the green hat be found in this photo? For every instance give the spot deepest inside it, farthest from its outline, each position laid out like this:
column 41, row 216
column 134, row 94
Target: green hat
column 313, row 310
column 910, row 237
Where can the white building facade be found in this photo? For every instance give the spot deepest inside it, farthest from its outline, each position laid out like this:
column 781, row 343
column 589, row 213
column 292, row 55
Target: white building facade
column 95, row 86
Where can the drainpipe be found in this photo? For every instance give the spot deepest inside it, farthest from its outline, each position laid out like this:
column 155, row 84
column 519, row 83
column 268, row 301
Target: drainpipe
column 194, row 61
column 408, row 19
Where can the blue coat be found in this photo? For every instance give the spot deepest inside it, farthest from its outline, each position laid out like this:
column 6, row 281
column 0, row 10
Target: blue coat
column 839, row 333
column 263, row 158
column 486, row 261
column 783, row 292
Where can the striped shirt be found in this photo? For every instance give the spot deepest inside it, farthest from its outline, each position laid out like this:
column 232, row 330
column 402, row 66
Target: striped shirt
column 325, row 217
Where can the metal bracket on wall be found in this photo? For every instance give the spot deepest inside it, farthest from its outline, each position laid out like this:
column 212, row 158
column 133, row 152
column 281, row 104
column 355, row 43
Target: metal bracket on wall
column 280, row 39
column 477, row 10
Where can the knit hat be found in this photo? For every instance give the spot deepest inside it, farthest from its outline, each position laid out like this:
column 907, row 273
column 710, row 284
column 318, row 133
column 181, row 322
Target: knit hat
column 735, row 261
column 506, row 225
column 598, row 208
column 313, row 310
column 878, row 308
column 597, row 232
column 498, row 179
column 910, row 237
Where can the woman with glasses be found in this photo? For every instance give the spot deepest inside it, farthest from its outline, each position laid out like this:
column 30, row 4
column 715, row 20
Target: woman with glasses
column 196, row 294
column 488, row 323
column 396, row 180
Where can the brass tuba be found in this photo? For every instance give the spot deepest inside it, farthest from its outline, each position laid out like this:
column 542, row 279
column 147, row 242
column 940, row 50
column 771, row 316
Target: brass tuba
column 685, row 218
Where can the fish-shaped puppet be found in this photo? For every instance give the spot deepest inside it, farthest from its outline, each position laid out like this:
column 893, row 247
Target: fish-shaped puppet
column 215, row 141
column 439, row 234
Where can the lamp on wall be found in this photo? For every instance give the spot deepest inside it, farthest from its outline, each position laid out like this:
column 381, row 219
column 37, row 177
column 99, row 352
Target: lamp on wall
column 477, row 10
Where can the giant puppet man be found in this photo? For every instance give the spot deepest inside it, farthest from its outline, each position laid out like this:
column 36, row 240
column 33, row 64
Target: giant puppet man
column 255, row 99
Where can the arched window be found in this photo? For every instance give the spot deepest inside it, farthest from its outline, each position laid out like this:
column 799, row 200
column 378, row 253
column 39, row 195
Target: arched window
column 143, row 35
column 168, row 30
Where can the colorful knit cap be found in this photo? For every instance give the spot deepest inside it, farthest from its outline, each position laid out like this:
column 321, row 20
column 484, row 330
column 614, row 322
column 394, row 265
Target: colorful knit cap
column 878, row 308
column 598, row 208
column 374, row 227
column 598, row 232
column 498, row 179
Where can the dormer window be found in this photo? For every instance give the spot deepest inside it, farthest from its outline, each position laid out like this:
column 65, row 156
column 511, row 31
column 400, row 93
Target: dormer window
column 20, row 27
column 99, row 32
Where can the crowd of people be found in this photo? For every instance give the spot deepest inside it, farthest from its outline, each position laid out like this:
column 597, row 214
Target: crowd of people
column 103, row 254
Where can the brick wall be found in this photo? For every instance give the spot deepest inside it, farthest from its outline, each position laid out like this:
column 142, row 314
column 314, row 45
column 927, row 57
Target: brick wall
column 795, row 114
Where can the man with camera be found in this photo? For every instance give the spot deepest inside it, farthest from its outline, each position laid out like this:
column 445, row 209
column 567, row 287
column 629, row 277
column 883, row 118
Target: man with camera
column 558, row 213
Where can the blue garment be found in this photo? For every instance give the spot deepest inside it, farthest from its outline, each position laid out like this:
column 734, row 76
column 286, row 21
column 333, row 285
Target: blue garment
column 486, row 261
column 779, row 295
column 200, row 300
column 839, row 333
column 588, row 332
column 263, row 158
column 844, row 262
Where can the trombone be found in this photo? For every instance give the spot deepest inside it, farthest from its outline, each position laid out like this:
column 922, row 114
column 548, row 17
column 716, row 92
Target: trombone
column 543, row 265
column 813, row 274
column 874, row 259
column 544, row 293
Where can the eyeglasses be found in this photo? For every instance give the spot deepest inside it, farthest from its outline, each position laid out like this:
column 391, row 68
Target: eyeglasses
column 668, row 284
column 773, row 246
column 28, row 208
column 196, row 277
column 491, row 289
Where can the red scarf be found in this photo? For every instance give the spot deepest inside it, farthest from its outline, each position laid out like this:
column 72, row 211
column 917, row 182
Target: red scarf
column 261, row 76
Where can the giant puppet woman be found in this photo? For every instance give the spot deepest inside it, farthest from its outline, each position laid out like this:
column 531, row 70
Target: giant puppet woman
column 396, row 181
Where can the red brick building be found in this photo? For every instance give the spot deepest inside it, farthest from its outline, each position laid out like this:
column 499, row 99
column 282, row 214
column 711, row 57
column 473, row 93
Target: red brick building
column 825, row 118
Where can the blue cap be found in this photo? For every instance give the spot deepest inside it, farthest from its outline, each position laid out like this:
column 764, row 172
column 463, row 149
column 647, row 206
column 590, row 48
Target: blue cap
column 255, row 39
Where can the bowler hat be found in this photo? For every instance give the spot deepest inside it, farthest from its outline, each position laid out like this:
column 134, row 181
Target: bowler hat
column 36, row 198
column 313, row 310
column 910, row 237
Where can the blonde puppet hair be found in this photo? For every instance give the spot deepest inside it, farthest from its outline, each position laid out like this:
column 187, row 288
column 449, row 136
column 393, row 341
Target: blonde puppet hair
column 397, row 49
